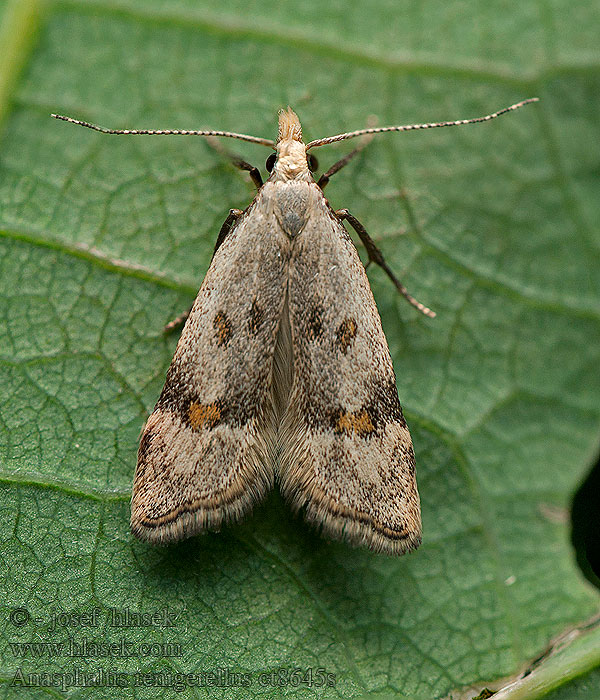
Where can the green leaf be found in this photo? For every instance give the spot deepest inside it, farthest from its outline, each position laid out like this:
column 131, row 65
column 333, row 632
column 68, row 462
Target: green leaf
column 105, row 239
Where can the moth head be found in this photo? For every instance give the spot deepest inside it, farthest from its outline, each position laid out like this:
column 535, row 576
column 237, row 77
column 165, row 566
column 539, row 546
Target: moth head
column 290, row 162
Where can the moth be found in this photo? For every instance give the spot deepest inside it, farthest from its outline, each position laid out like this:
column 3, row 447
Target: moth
column 282, row 371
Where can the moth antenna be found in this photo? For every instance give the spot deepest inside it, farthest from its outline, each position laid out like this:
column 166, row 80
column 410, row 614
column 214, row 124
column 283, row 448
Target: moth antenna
column 166, row 132
column 415, row 127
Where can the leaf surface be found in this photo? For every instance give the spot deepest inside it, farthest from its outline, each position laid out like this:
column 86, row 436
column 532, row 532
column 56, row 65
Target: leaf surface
column 105, row 239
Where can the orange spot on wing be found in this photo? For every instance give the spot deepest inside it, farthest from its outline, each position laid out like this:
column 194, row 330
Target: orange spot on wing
column 346, row 333
column 222, row 326
column 359, row 423
column 202, row 415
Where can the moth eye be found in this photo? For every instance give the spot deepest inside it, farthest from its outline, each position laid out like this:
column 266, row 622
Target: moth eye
column 271, row 161
column 313, row 163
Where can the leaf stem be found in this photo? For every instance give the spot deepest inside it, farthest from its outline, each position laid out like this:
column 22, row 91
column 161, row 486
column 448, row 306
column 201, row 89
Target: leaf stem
column 573, row 655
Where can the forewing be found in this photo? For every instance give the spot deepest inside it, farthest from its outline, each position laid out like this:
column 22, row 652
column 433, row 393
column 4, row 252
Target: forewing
column 347, row 458
column 206, row 451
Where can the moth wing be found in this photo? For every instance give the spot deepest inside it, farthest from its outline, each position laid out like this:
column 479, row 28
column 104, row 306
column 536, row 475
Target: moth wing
column 347, row 458
column 206, row 452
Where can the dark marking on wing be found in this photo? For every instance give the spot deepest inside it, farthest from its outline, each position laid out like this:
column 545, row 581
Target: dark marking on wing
column 181, row 397
column 222, row 326
column 382, row 408
column 314, row 329
column 257, row 316
column 145, row 445
column 345, row 334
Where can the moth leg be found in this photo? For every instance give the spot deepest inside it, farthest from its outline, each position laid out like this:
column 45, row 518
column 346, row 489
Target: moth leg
column 336, row 167
column 177, row 322
column 232, row 217
column 237, row 161
column 376, row 256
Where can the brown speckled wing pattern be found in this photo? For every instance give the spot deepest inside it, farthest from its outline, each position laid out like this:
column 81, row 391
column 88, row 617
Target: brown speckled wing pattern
column 206, row 452
column 282, row 372
column 347, row 458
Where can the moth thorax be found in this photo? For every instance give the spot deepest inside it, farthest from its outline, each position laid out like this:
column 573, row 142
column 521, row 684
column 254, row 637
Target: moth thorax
column 291, row 160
